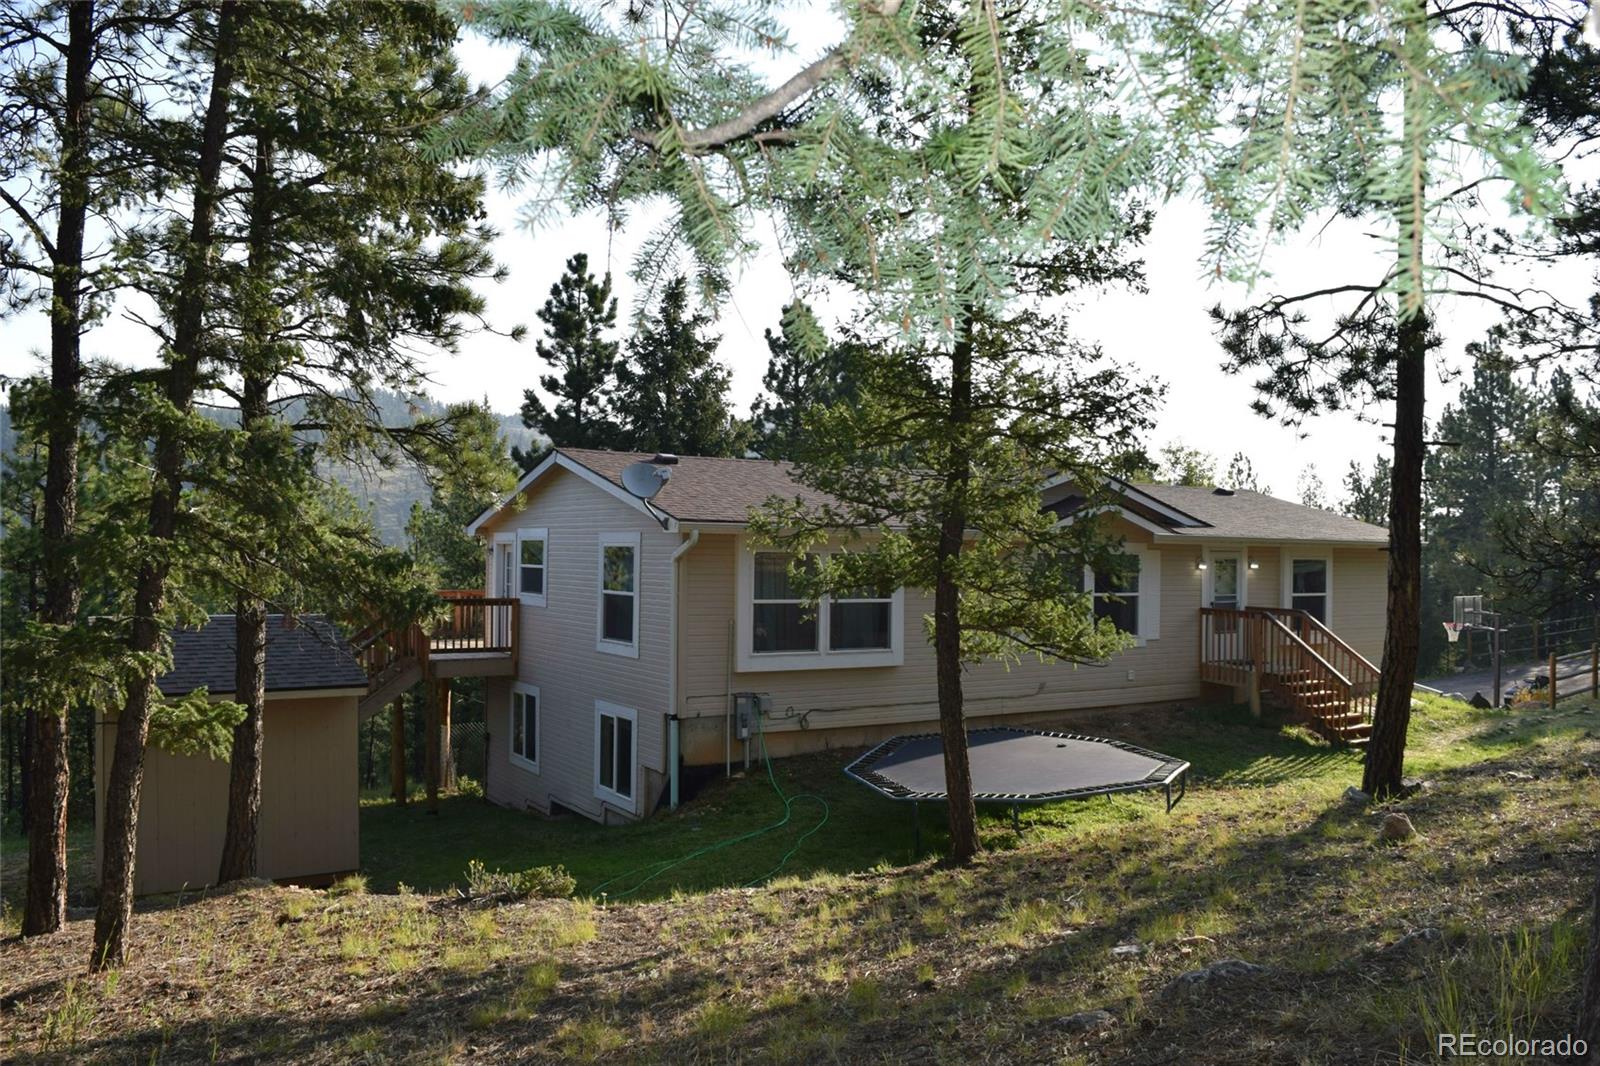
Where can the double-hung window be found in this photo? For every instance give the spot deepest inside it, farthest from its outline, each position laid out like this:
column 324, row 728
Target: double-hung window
column 1116, row 594
column 1129, row 593
column 1308, row 584
column 780, row 620
column 524, row 732
column 615, row 754
column 860, row 620
column 532, row 547
column 619, row 594
column 777, row 629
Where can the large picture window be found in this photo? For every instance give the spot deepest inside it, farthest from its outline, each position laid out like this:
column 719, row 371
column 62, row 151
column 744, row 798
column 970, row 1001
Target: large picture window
column 619, row 594
column 616, row 748
column 780, row 620
column 1309, row 587
column 532, row 546
column 524, row 732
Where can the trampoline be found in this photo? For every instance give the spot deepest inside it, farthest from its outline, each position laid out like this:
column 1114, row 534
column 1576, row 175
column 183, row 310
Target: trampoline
column 1015, row 766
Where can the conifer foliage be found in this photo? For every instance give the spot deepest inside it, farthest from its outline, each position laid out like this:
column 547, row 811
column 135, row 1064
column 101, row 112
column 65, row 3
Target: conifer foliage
column 577, row 316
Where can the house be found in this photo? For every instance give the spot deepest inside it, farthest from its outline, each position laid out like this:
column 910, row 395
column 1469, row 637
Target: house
column 654, row 636
column 309, row 790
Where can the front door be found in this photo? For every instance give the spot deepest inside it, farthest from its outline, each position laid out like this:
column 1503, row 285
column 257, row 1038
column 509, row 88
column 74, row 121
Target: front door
column 1225, row 586
column 505, row 576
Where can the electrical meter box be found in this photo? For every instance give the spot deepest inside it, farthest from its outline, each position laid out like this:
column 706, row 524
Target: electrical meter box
column 746, row 705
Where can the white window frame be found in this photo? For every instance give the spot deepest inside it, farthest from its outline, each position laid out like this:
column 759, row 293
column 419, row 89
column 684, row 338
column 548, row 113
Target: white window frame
column 607, row 795
column 504, row 545
column 747, row 660
column 1289, row 556
column 524, row 689
column 753, row 602
column 1147, row 601
column 601, row 643
column 543, row 537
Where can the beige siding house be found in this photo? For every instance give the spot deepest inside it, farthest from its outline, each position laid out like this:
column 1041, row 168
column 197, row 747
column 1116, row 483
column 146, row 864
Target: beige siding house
column 635, row 615
column 309, row 790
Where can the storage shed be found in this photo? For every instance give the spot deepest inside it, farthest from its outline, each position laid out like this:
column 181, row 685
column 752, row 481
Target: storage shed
column 309, row 829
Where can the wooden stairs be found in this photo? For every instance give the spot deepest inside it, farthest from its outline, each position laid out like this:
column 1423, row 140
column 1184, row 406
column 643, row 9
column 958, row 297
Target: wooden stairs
column 1295, row 661
column 478, row 637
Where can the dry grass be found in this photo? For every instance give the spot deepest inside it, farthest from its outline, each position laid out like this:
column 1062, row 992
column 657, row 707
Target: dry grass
column 917, row 963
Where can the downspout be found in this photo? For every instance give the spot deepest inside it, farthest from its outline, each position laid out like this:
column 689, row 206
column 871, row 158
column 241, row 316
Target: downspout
column 672, row 674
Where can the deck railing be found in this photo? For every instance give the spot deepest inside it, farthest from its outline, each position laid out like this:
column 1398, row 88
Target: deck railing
column 1292, row 655
column 476, row 624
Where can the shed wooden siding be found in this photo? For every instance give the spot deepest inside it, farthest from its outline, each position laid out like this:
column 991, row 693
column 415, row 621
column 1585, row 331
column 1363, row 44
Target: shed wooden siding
column 557, row 653
column 1163, row 670
column 310, row 800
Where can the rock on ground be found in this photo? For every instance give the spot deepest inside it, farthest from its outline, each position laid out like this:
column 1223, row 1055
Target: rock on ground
column 1088, row 1021
column 1396, row 827
column 1198, row 983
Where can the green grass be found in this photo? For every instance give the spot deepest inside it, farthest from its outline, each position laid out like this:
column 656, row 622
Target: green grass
column 429, row 852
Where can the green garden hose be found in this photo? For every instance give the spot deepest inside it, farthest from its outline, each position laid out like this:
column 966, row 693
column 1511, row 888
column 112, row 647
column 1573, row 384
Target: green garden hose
column 654, row 870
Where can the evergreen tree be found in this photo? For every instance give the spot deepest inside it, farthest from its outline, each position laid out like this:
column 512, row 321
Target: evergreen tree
column 1242, row 475
column 76, row 82
column 1183, row 465
column 577, row 316
column 1367, row 495
column 672, row 394
column 1310, row 489
column 805, row 371
column 437, row 533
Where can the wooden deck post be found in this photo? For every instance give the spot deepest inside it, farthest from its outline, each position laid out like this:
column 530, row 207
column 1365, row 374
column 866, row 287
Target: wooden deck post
column 1552, row 681
column 430, row 745
column 447, row 756
column 1254, row 633
column 397, row 749
column 1594, row 671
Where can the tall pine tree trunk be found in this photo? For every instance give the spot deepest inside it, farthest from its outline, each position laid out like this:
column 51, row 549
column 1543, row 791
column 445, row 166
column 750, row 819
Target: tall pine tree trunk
column 133, row 724
column 250, row 612
column 947, row 618
column 1391, row 716
column 48, row 778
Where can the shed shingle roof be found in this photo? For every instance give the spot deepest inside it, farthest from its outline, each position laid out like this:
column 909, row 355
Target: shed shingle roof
column 310, row 655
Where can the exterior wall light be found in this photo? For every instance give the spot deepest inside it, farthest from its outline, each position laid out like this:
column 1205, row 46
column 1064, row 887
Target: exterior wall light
column 1200, row 565
column 1255, row 564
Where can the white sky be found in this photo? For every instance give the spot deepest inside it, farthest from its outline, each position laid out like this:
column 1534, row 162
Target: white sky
column 1163, row 333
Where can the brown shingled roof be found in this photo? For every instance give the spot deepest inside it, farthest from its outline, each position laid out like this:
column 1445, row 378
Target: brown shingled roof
column 703, row 489
column 1244, row 515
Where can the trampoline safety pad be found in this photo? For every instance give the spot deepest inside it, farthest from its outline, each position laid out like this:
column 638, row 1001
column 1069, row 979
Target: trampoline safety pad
column 1013, row 766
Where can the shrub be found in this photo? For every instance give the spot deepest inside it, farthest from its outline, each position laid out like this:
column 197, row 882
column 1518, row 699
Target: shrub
column 349, row 885
column 540, row 882
column 469, row 786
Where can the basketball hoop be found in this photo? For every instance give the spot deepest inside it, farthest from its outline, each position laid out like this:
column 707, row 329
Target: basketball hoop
column 1453, row 630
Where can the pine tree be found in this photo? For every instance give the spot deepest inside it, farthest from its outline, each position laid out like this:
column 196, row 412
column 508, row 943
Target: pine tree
column 805, row 371
column 65, row 162
column 1242, row 475
column 1310, row 489
column 672, row 393
column 1367, row 495
column 1184, row 465
column 577, row 316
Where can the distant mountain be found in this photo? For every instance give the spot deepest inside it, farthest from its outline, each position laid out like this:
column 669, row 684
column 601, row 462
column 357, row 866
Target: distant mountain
column 387, row 494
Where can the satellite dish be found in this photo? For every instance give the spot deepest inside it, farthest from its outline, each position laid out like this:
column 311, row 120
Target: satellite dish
column 644, row 480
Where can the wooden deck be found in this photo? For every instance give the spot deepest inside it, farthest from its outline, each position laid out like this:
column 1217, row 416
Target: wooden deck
column 477, row 639
column 1294, row 660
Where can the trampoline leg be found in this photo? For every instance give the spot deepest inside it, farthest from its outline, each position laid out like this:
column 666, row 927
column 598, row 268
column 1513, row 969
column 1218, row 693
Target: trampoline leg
column 1016, row 826
column 916, row 831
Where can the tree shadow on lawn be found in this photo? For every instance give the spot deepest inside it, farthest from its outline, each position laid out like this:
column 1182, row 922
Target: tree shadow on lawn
column 990, row 998
column 429, row 852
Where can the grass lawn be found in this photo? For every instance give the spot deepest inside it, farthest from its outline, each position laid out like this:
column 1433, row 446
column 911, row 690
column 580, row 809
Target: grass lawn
column 405, row 844
column 854, row 953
